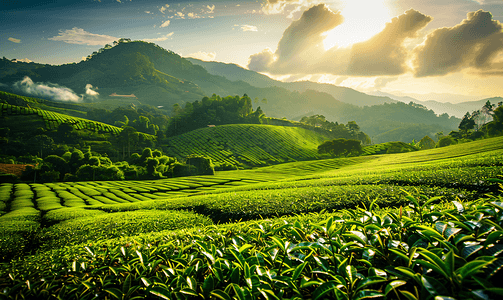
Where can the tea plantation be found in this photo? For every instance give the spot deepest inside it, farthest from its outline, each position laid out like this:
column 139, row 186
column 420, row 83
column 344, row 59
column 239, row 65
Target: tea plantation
column 417, row 225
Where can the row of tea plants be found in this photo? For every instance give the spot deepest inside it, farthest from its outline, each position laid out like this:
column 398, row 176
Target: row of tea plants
column 430, row 249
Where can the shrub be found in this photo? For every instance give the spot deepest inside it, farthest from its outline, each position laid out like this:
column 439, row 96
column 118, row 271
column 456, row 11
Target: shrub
column 446, row 141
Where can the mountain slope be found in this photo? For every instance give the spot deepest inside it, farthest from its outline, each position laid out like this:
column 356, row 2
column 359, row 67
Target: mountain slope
column 344, row 94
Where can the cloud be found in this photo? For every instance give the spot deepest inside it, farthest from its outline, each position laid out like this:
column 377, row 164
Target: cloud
column 249, row 28
column 180, row 15
column 82, row 37
column 90, row 91
column 301, row 49
column 476, row 43
column 25, row 60
column 203, row 55
column 262, row 62
column 279, row 6
column 147, row 11
column 17, row 41
column 381, row 82
column 159, row 39
column 163, row 8
column 165, row 24
column 45, row 90
column 385, row 53
column 301, row 42
column 211, row 9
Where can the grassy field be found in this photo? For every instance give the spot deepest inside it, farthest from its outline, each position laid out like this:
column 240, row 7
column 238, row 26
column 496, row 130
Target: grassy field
column 346, row 228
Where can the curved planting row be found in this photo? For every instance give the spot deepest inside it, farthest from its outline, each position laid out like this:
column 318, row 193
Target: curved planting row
column 429, row 251
column 248, row 144
column 53, row 120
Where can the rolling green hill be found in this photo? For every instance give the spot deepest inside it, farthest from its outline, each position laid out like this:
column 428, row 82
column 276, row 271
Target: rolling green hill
column 247, row 145
column 384, row 217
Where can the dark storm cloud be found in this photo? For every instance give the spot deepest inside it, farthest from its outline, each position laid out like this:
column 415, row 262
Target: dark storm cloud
column 474, row 43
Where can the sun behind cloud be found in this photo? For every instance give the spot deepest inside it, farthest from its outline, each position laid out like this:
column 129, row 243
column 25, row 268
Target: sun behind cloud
column 362, row 20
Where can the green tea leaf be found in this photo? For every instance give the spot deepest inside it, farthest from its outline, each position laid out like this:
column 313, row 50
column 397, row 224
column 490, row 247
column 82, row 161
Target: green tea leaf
column 127, row 284
column 114, row 292
column 393, row 285
column 433, row 286
column 368, row 294
column 298, row 270
column 221, row 295
column 324, row 289
column 408, row 295
column 160, row 292
column 470, row 250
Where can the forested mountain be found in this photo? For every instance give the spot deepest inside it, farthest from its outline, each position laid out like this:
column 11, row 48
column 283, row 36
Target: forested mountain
column 149, row 74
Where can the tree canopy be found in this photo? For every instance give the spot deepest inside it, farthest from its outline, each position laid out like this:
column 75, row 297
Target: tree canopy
column 341, row 147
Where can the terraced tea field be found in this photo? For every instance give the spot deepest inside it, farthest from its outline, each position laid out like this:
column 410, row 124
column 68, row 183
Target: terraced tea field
column 362, row 226
column 52, row 120
column 248, row 144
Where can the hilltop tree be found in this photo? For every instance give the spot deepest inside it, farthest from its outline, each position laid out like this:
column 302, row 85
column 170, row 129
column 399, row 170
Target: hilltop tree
column 496, row 126
column 426, row 143
column 339, row 147
column 467, row 123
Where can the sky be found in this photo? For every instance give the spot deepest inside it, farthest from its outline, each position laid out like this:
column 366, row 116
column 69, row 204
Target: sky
column 424, row 48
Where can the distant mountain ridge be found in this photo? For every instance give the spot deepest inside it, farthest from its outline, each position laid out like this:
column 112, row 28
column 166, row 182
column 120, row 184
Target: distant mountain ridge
column 343, row 94
column 453, row 109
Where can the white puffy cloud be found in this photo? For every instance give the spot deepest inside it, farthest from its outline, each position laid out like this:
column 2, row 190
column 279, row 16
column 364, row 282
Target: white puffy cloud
column 279, row 6
column 45, row 90
column 206, row 56
column 165, row 24
column 90, row 91
column 262, row 62
column 82, row 37
column 163, row 8
column 14, row 40
column 160, row 39
column 25, row 60
column 249, row 28
column 211, row 9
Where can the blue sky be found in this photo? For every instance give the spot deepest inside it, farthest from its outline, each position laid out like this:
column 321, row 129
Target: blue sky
column 260, row 32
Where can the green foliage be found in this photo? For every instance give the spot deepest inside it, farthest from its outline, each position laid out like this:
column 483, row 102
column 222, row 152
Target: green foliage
column 341, row 147
column 375, row 253
column 389, row 147
column 426, row 143
column 446, row 141
column 98, row 226
column 202, row 164
column 211, row 111
column 495, row 128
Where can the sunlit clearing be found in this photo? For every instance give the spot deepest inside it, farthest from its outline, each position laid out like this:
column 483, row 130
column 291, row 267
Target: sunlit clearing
column 362, row 20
